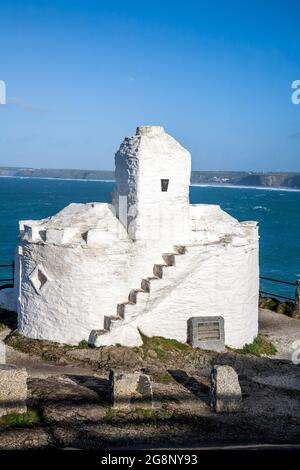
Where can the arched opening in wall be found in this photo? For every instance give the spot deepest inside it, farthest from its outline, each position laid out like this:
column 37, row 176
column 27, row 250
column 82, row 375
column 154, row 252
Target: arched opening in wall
column 164, row 185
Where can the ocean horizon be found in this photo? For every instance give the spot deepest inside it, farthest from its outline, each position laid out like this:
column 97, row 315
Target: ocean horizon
column 204, row 185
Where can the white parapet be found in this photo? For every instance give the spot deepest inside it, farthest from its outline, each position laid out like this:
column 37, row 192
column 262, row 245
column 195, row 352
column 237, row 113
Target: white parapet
column 31, row 233
column 60, row 236
column 99, row 237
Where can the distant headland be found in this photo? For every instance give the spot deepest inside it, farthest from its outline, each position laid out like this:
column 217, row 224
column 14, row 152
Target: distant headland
column 225, row 178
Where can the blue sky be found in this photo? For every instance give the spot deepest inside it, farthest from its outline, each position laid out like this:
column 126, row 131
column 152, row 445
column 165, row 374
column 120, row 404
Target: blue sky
column 81, row 75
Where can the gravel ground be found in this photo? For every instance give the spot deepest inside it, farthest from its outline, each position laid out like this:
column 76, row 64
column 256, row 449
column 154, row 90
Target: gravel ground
column 282, row 331
column 72, row 396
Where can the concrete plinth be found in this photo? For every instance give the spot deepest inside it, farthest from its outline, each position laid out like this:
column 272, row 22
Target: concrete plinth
column 13, row 390
column 226, row 395
column 131, row 390
column 2, row 353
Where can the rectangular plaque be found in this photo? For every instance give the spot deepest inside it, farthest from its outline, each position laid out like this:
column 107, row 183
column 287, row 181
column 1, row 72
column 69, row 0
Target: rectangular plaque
column 206, row 333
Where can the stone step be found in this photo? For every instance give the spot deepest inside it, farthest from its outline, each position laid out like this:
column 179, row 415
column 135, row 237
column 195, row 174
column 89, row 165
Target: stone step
column 94, row 334
column 136, row 299
column 145, row 284
column 127, row 335
column 180, row 249
column 125, row 309
column 158, row 270
column 169, row 258
column 137, row 295
column 111, row 321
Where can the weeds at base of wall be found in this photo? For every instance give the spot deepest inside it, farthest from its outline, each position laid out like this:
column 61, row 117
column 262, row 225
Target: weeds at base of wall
column 261, row 346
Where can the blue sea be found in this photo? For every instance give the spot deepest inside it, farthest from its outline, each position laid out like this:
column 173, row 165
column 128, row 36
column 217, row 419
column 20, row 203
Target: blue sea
column 277, row 211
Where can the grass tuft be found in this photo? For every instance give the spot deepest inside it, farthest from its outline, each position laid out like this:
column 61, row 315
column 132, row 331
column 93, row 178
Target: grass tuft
column 260, row 347
column 47, row 350
column 83, row 344
column 159, row 347
column 270, row 303
column 30, row 418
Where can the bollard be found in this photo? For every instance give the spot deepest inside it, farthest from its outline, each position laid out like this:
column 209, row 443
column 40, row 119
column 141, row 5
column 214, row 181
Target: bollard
column 13, row 390
column 297, row 295
column 2, row 353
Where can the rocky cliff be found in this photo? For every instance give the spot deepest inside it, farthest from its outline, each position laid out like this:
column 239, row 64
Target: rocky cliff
column 272, row 180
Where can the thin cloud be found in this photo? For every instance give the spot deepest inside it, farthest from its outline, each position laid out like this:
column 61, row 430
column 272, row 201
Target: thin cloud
column 131, row 79
column 27, row 106
column 294, row 136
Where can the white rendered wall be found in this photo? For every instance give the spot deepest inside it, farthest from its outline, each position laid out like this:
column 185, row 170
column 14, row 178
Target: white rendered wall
column 90, row 268
column 225, row 284
column 141, row 163
column 91, row 263
column 64, row 310
column 83, row 285
column 215, row 280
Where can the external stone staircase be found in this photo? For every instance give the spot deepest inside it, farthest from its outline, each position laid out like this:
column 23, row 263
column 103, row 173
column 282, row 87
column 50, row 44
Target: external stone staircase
column 137, row 300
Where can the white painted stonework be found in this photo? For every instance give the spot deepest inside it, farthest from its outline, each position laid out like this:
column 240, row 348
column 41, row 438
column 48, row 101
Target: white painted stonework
column 145, row 263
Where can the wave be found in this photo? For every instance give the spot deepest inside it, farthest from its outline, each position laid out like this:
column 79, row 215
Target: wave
column 236, row 186
column 55, row 179
column 262, row 208
column 203, row 185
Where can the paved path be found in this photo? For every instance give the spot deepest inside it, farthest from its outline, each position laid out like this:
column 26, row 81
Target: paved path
column 283, row 332
column 37, row 367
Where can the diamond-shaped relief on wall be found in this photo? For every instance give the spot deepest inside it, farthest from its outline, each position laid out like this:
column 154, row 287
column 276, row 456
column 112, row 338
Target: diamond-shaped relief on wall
column 38, row 278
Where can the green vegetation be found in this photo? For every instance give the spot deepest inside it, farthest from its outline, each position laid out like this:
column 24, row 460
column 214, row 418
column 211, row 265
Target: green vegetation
column 270, row 303
column 161, row 348
column 82, row 345
column 48, row 350
column 162, row 377
column 260, row 346
column 30, row 418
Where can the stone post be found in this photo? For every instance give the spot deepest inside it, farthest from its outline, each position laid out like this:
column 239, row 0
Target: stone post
column 225, row 391
column 13, row 390
column 131, row 390
column 2, row 353
column 297, row 295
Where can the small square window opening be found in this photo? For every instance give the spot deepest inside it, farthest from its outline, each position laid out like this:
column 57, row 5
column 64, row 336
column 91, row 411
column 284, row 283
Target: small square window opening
column 164, row 185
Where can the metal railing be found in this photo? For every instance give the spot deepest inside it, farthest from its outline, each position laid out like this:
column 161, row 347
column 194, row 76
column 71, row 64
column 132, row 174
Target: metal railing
column 279, row 281
column 11, row 280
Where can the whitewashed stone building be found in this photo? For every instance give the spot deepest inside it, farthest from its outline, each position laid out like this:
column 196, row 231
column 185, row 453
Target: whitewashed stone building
column 144, row 264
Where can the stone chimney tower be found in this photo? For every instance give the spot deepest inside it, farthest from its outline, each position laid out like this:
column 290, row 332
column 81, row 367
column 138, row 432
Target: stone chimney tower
column 152, row 186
